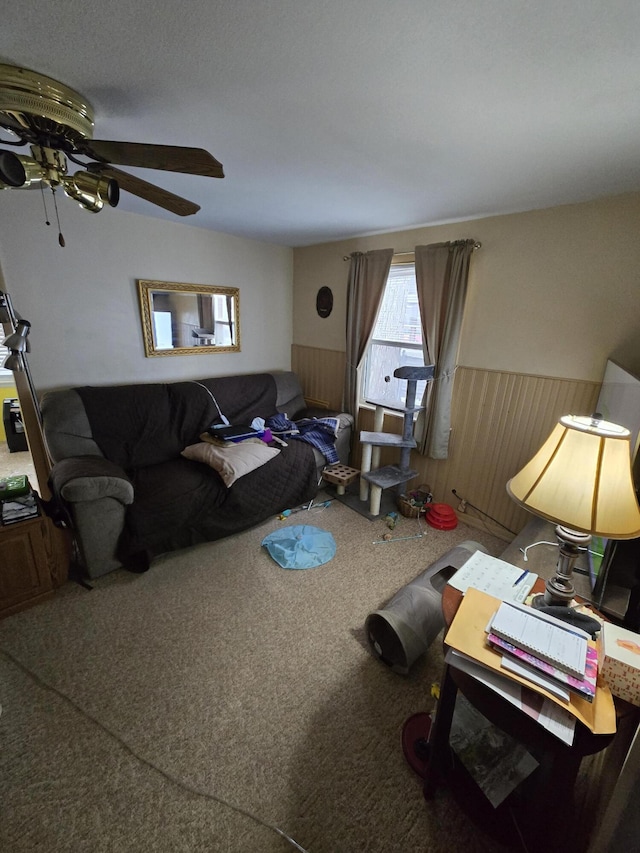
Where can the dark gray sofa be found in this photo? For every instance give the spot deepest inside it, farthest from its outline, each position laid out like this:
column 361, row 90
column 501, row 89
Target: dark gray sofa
column 130, row 495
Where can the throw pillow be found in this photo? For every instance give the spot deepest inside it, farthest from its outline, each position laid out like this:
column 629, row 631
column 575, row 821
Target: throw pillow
column 234, row 460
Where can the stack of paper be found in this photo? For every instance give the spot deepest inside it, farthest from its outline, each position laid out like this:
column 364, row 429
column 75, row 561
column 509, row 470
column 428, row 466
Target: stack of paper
column 545, row 650
column 468, row 635
column 555, row 719
column 495, row 577
column 554, row 678
column 19, row 509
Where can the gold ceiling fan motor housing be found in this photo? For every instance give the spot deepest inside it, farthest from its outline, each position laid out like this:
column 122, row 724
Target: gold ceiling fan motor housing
column 54, row 119
column 42, row 107
column 57, row 123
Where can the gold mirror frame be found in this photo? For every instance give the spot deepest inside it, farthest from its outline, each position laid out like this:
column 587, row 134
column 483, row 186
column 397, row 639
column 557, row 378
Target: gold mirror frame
column 197, row 312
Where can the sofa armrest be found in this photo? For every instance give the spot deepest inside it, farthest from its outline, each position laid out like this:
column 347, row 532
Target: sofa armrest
column 344, row 419
column 95, row 492
column 346, row 423
column 90, row 478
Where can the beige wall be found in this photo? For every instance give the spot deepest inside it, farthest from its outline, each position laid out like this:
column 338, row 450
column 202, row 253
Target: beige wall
column 82, row 299
column 552, row 292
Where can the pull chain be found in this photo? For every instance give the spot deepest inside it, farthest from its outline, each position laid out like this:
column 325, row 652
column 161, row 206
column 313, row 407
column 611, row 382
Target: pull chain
column 55, row 204
column 46, row 215
column 44, row 204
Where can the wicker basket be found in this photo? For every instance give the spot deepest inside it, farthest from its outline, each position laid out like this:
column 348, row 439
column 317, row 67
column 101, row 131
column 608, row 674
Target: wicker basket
column 407, row 508
column 415, row 503
column 422, row 493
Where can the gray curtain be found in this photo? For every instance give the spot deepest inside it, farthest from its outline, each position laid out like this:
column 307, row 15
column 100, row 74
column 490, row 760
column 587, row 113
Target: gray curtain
column 230, row 316
column 368, row 274
column 205, row 312
column 442, row 272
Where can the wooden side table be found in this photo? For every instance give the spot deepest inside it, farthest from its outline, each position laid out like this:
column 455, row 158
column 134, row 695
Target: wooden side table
column 34, row 561
column 547, row 815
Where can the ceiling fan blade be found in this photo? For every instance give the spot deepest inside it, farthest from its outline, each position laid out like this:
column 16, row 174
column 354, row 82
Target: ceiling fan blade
column 143, row 189
column 169, row 158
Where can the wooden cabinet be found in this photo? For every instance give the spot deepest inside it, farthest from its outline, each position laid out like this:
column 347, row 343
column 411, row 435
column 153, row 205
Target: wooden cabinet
column 34, row 561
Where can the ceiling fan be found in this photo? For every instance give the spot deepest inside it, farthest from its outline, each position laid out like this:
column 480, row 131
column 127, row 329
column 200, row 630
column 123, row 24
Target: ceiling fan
column 57, row 123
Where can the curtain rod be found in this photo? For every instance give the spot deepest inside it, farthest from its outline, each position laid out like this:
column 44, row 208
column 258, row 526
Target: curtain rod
column 476, row 245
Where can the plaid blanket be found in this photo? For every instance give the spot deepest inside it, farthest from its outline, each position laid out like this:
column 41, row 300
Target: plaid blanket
column 321, row 433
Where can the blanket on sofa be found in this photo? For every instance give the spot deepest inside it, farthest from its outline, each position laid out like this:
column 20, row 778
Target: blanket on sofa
column 144, row 428
column 174, row 501
column 318, row 432
column 139, row 425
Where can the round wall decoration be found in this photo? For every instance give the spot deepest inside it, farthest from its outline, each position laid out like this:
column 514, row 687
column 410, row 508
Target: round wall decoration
column 324, row 301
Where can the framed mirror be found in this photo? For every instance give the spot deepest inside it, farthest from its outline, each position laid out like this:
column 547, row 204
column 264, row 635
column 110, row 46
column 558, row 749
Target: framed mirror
column 188, row 319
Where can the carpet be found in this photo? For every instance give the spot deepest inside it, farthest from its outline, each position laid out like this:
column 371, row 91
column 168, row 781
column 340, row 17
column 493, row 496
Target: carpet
column 221, row 703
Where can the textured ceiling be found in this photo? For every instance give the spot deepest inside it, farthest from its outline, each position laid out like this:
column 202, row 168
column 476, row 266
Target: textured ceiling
column 334, row 118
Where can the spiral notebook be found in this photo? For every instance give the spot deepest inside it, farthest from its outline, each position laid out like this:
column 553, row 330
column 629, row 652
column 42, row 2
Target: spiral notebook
column 585, row 687
column 541, row 635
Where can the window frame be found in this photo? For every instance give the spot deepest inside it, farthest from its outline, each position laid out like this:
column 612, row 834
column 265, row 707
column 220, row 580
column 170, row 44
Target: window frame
column 406, row 259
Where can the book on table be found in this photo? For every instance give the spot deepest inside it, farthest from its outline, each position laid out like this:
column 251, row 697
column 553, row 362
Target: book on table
column 585, row 687
column 468, row 634
column 542, row 636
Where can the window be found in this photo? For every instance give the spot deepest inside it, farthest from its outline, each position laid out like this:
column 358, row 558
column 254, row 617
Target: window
column 396, row 341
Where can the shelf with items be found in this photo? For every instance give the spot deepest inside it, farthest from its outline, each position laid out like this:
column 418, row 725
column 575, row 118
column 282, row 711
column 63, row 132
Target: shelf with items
column 13, row 425
column 34, row 556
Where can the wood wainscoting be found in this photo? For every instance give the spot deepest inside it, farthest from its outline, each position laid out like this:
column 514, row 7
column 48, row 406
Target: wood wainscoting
column 321, row 374
column 498, row 421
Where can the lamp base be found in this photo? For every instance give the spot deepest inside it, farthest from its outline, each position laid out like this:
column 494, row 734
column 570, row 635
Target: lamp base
column 559, row 588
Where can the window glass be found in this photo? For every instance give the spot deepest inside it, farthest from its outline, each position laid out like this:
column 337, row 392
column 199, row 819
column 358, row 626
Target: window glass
column 396, row 341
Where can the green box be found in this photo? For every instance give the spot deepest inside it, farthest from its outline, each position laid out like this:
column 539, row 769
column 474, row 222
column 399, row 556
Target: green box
column 14, row 487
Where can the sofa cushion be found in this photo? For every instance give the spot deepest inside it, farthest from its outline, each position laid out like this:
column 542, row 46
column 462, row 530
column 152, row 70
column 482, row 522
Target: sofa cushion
column 181, row 502
column 289, row 400
column 234, row 460
column 170, row 499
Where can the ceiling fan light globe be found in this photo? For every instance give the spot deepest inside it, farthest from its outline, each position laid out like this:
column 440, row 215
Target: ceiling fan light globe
column 89, row 190
column 92, row 205
column 97, row 188
column 12, row 171
column 34, row 173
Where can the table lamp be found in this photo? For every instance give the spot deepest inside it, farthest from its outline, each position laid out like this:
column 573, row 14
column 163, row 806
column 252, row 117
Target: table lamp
column 580, row 479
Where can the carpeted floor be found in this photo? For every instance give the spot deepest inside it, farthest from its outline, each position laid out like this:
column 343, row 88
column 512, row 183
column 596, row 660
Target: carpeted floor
column 219, row 700
column 18, row 462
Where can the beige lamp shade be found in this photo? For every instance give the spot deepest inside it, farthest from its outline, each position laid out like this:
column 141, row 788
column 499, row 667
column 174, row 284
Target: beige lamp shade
column 581, row 478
